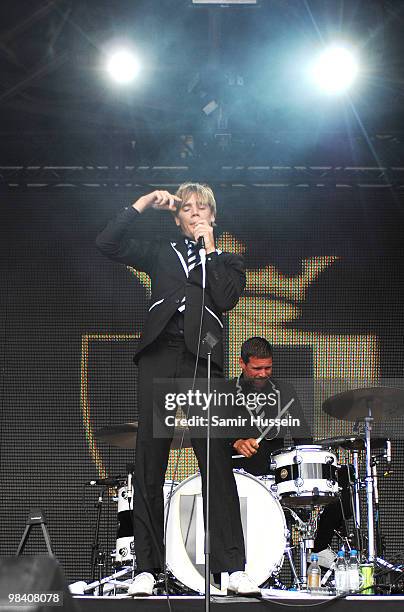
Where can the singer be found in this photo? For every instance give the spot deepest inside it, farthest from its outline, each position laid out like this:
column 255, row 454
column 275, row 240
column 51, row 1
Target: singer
column 168, row 349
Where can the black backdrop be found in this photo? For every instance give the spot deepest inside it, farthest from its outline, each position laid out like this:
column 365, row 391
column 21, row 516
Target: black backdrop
column 70, row 318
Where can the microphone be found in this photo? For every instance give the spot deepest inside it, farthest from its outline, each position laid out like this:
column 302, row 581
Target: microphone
column 103, row 482
column 201, row 243
column 202, row 255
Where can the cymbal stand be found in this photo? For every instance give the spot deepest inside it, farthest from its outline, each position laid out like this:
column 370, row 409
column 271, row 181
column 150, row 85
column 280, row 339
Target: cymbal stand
column 369, row 486
column 356, row 489
column 379, row 548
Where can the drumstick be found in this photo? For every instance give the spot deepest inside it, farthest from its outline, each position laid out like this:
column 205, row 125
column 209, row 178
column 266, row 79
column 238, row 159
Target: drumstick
column 261, row 437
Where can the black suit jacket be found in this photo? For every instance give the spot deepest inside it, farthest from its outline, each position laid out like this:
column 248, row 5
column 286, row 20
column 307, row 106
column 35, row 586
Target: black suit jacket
column 165, row 262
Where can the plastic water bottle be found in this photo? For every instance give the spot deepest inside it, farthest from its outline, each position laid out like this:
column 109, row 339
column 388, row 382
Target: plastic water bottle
column 314, row 574
column 340, row 574
column 353, row 572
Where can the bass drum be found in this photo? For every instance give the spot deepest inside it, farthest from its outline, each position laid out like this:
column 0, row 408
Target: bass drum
column 264, row 528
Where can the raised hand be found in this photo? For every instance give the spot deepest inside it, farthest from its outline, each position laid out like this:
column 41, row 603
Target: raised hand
column 159, row 199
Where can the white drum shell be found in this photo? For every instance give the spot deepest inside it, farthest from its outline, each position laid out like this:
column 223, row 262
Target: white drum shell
column 309, row 460
column 124, row 551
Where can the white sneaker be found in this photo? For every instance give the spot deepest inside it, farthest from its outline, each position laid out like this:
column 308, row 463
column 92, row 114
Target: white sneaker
column 240, row 583
column 142, row 586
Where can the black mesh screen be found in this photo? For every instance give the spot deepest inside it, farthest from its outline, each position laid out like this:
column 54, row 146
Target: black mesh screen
column 325, row 285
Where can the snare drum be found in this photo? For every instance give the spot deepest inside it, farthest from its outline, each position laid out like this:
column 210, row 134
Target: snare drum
column 264, row 528
column 305, row 476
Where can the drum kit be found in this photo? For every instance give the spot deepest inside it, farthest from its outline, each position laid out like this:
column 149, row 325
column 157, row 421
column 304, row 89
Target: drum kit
column 302, row 481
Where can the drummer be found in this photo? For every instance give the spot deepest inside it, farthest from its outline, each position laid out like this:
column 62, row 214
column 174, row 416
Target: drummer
column 251, row 449
column 255, row 444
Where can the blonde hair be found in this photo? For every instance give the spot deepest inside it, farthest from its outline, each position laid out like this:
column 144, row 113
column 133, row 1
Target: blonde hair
column 204, row 193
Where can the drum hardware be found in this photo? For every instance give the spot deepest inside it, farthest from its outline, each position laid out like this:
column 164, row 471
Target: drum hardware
column 101, row 570
column 124, row 554
column 379, row 543
column 357, row 507
column 306, row 543
column 109, row 584
column 95, row 546
column 351, row 443
column 366, row 405
column 168, row 584
column 121, row 436
column 124, row 436
column 345, row 540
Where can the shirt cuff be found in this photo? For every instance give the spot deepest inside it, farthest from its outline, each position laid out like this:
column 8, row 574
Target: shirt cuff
column 128, row 214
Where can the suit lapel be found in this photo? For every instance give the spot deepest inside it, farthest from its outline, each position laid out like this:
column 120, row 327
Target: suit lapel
column 181, row 252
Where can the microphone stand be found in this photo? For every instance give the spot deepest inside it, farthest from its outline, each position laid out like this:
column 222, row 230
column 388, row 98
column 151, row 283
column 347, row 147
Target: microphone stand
column 211, row 341
column 207, row 500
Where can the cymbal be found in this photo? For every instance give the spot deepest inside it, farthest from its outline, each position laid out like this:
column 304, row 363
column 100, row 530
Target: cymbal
column 125, row 435
column 122, row 436
column 354, row 405
column 351, row 442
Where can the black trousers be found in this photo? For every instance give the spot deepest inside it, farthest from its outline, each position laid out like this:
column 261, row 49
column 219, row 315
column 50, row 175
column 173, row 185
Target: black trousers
column 169, row 358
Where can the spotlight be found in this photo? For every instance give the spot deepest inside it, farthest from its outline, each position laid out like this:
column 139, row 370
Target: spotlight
column 123, row 66
column 335, row 69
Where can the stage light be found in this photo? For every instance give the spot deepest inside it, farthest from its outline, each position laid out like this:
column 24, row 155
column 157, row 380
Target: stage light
column 123, row 66
column 335, row 69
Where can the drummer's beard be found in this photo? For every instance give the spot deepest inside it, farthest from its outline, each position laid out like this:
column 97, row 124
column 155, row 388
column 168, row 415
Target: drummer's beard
column 257, row 384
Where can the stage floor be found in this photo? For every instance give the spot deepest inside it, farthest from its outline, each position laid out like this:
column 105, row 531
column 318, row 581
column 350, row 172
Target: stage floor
column 293, row 601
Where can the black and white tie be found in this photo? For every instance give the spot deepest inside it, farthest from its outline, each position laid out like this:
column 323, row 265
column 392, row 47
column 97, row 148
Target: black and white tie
column 192, row 261
column 193, row 255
